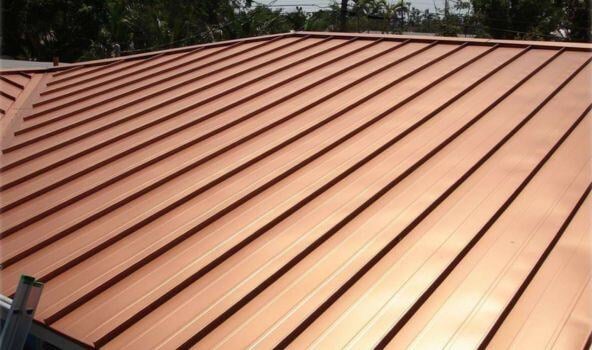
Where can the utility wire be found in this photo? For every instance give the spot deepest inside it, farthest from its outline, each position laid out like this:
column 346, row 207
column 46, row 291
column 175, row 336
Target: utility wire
column 166, row 45
column 203, row 35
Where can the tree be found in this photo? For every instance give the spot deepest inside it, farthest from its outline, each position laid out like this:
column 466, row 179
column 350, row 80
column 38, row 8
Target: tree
column 523, row 19
column 343, row 16
column 296, row 20
column 577, row 20
column 42, row 29
column 85, row 29
column 324, row 20
column 401, row 9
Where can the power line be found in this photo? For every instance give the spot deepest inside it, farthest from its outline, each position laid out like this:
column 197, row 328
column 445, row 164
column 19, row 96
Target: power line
column 201, row 35
column 273, row 4
column 513, row 31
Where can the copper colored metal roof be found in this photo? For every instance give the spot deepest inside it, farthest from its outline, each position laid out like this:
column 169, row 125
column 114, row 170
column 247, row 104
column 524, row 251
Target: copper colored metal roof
column 11, row 86
column 306, row 190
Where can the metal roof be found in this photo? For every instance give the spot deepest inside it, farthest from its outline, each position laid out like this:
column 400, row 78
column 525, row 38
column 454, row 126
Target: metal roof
column 306, row 190
column 12, row 84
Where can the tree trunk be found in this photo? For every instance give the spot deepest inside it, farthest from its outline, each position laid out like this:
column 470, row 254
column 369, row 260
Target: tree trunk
column 343, row 16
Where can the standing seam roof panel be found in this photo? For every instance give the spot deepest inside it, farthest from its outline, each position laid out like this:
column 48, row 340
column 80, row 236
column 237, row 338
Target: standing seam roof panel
column 321, row 190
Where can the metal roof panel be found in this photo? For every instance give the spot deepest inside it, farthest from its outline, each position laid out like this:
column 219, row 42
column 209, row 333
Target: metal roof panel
column 324, row 190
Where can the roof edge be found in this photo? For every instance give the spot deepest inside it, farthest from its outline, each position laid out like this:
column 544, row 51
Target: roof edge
column 421, row 38
column 143, row 55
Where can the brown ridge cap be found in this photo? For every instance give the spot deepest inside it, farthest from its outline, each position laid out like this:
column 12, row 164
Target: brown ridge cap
column 445, row 39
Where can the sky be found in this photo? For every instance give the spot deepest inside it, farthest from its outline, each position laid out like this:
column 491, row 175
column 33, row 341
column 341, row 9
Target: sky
column 315, row 4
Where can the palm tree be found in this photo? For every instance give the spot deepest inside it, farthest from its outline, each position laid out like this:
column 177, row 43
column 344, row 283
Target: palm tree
column 361, row 8
column 395, row 11
column 401, row 8
column 343, row 16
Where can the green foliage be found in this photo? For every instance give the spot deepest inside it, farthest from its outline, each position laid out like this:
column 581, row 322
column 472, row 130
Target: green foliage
column 535, row 19
column 577, row 19
column 261, row 20
column 144, row 24
column 84, row 29
column 45, row 28
column 323, row 20
column 525, row 19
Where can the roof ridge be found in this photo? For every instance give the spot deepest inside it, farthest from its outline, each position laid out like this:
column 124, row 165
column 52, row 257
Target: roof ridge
column 419, row 38
column 446, row 39
column 143, row 55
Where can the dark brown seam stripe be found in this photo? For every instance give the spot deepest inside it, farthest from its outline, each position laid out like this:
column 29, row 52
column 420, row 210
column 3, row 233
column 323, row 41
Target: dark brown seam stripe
column 13, row 83
column 68, row 71
column 588, row 344
column 10, row 97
